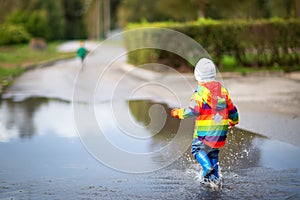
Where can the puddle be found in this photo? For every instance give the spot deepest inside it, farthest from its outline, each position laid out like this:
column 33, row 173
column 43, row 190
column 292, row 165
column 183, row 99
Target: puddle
column 42, row 157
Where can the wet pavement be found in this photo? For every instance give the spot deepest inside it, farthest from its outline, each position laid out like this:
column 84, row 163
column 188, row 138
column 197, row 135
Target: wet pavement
column 54, row 123
column 42, row 157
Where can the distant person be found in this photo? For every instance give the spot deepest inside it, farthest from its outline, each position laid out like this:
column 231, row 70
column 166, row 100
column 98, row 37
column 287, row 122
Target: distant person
column 82, row 52
column 215, row 113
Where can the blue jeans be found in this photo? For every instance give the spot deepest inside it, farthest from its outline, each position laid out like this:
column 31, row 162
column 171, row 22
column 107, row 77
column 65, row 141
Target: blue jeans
column 197, row 146
column 212, row 156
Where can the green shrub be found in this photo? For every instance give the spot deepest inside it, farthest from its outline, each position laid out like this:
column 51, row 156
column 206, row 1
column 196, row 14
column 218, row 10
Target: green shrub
column 256, row 43
column 13, row 34
column 38, row 25
column 229, row 61
column 18, row 17
column 43, row 19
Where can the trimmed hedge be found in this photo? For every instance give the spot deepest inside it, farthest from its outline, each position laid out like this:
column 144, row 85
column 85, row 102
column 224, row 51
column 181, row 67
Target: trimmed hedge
column 259, row 43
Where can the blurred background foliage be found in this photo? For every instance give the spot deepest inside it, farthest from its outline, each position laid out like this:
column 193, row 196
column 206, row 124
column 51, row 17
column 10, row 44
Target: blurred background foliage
column 231, row 43
column 267, row 29
column 189, row 10
column 73, row 19
column 52, row 20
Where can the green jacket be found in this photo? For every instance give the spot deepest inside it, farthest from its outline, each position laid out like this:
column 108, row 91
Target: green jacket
column 81, row 52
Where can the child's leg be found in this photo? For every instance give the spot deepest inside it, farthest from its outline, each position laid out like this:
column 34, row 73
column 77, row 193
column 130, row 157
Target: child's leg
column 214, row 159
column 204, row 161
column 200, row 154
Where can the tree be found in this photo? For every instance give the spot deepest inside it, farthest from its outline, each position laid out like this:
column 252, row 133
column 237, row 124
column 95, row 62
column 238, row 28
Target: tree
column 179, row 10
column 202, row 7
column 41, row 18
column 285, row 8
column 137, row 11
column 37, row 24
column 6, row 7
column 73, row 16
column 114, row 5
column 236, row 9
column 55, row 13
column 297, row 8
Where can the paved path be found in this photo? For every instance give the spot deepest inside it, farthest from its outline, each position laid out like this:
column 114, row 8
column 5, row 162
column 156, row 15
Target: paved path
column 267, row 105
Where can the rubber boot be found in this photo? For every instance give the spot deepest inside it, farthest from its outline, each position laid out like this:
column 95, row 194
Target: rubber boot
column 204, row 161
column 215, row 165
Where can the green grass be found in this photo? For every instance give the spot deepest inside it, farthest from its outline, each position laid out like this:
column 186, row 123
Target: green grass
column 248, row 70
column 22, row 56
column 230, row 64
column 15, row 59
column 7, row 75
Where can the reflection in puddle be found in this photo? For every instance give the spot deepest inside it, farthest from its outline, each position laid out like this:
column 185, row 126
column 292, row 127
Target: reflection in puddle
column 244, row 149
column 35, row 116
column 38, row 144
column 19, row 118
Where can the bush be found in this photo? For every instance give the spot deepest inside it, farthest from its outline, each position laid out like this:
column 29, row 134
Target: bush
column 258, row 43
column 38, row 25
column 229, row 61
column 45, row 19
column 13, row 34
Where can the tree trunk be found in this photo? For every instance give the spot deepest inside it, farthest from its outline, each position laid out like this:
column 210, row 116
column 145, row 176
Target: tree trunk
column 297, row 9
column 202, row 8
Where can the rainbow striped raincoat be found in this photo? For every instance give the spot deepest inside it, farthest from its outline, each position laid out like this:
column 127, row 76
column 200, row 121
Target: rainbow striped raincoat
column 212, row 106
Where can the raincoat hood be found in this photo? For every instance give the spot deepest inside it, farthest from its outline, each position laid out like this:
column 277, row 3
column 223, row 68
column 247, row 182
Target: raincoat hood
column 212, row 95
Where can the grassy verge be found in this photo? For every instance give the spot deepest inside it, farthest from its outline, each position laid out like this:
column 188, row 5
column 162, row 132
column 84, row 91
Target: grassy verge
column 230, row 64
column 15, row 59
column 250, row 70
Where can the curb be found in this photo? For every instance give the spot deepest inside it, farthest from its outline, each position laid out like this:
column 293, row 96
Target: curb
column 282, row 74
column 293, row 76
column 46, row 63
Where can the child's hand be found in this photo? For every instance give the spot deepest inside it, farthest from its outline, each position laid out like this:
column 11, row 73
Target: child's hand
column 231, row 125
column 175, row 113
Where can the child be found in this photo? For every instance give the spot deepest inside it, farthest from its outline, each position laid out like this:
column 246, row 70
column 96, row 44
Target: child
column 215, row 113
column 81, row 52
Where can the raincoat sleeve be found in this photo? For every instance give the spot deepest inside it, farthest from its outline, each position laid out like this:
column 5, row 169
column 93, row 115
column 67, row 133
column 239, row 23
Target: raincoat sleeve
column 192, row 110
column 233, row 114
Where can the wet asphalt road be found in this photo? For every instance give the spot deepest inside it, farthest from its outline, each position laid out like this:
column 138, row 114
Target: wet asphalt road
column 50, row 129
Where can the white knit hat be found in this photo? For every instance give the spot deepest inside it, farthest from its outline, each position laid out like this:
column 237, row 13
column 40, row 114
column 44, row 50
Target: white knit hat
column 205, row 70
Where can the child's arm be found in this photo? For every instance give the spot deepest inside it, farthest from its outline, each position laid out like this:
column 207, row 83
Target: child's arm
column 233, row 114
column 192, row 110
